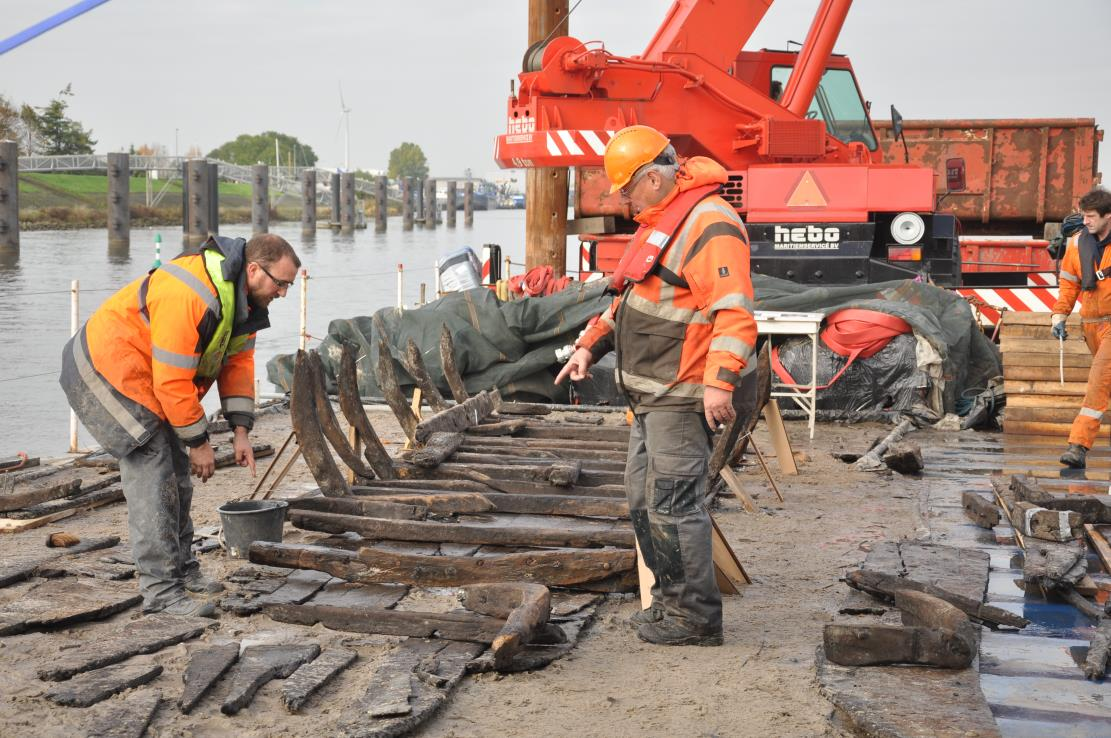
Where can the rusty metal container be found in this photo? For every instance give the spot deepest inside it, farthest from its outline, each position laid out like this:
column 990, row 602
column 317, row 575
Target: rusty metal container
column 1020, row 173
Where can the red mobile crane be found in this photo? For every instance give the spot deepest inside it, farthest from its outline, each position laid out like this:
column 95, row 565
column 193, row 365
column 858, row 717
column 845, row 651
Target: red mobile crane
column 805, row 170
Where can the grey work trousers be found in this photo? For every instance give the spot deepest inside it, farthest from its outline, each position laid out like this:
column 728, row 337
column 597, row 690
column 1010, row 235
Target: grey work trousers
column 665, row 482
column 159, row 491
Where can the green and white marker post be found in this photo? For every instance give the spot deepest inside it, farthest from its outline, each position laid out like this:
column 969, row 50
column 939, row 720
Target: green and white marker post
column 157, row 251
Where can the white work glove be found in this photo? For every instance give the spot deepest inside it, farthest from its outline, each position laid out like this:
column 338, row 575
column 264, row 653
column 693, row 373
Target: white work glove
column 1059, row 326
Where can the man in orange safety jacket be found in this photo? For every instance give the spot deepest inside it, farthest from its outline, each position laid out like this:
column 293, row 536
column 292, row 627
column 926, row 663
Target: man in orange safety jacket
column 136, row 372
column 1085, row 272
column 683, row 330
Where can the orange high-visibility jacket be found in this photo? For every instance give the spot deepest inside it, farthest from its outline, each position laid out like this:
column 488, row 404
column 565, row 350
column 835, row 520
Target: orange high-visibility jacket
column 673, row 341
column 1097, row 303
column 134, row 364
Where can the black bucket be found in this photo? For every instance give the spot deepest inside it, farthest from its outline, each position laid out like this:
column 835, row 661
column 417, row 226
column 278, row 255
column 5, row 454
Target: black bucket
column 247, row 521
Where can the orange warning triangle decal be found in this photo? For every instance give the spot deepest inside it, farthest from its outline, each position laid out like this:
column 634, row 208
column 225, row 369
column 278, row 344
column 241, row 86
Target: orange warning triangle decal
column 807, row 193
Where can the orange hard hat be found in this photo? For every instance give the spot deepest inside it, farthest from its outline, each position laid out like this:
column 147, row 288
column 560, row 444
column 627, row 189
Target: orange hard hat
column 629, row 150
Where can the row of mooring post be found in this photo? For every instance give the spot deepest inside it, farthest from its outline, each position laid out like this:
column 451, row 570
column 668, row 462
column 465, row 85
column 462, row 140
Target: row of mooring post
column 200, row 201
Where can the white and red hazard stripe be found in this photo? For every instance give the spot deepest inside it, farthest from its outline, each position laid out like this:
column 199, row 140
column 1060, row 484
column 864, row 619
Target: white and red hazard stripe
column 551, row 148
column 1038, row 296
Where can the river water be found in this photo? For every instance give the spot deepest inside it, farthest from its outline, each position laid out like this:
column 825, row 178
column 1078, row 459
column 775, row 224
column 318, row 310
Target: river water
column 350, row 275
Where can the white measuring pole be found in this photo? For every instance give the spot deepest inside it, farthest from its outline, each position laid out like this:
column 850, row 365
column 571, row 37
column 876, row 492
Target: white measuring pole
column 304, row 309
column 74, row 313
column 400, row 287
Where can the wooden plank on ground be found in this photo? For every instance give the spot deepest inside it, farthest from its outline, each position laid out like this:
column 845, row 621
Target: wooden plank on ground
column 1058, row 430
column 259, row 664
column 460, row 417
column 58, row 602
column 1015, row 387
column 778, row 432
column 94, row 686
column 1014, row 345
column 1039, row 318
column 206, row 666
column 1063, row 415
column 1043, row 373
column 1099, row 543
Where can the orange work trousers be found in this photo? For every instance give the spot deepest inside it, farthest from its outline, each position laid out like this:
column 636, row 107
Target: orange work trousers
column 1086, row 426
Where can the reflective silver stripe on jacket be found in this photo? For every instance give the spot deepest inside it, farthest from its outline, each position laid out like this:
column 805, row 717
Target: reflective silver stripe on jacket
column 734, row 301
column 191, row 281
column 186, row 432
column 248, row 345
column 665, row 311
column 674, row 258
column 735, row 346
column 1070, row 277
column 238, row 405
column 1089, row 412
column 173, row 358
column 103, row 392
column 659, row 389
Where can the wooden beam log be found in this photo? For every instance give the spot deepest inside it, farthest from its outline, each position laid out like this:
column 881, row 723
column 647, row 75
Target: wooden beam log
column 437, row 448
column 329, row 425
column 451, row 503
column 1054, row 565
column 586, row 455
column 525, row 606
column 489, row 501
column 547, row 444
column 450, row 367
column 510, row 458
column 518, row 479
column 980, row 510
column 570, row 568
column 356, row 506
column 523, row 408
column 459, row 417
column 391, row 390
column 352, row 406
column 1046, row 525
column 414, row 364
column 885, row 586
column 452, row 626
column 410, row 530
column 310, row 438
column 1095, row 664
column 575, row 432
column 500, row 428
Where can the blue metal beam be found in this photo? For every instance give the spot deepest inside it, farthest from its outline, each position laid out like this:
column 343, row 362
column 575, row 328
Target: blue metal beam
column 50, row 23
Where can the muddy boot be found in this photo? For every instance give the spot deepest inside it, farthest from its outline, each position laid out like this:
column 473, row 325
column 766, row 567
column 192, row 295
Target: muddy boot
column 200, row 584
column 190, row 607
column 652, row 614
column 1075, row 456
column 671, row 632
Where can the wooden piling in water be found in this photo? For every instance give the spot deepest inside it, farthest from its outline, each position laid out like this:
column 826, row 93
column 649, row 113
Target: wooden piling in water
column 406, row 203
column 420, row 200
column 260, row 199
column 449, row 213
column 213, row 198
column 546, row 188
column 197, row 205
column 308, row 202
column 468, row 204
column 381, row 206
column 430, row 203
column 9, row 199
column 119, row 203
column 347, row 202
column 334, row 221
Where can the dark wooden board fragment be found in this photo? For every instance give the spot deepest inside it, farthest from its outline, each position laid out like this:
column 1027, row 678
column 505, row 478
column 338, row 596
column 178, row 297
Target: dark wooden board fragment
column 352, row 406
column 459, row 417
column 565, row 568
column 260, row 664
column 15, row 494
column 980, row 510
column 411, row 530
column 94, row 498
column 436, row 449
column 312, row 676
column 524, row 408
column 145, row 635
column 15, row 569
column 355, row 506
column 310, row 436
column 453, row 626
column 206, row 666
column 414, row 365
column 340, row 593
column 128, row 718
column 450, row 367
column 392, row 684
column 329, row 424
column 57, row 602
column 93, row 686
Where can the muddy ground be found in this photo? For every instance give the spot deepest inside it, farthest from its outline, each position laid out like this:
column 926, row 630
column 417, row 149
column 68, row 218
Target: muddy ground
column 760, row 683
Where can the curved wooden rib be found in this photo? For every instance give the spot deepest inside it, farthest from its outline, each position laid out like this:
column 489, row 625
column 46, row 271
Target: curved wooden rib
column 451, row 369
column 352, row 407
column 414, row 364
column 328, row 422
column 302, row 410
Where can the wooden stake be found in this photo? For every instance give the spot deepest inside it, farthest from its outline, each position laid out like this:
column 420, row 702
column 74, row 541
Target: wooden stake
column 764, row 466
column 734, row 483
column 780, row 440
column 645, row 579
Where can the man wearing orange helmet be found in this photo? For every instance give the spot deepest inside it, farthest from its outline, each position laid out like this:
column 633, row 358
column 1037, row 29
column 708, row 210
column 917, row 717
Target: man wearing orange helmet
column 683, row 331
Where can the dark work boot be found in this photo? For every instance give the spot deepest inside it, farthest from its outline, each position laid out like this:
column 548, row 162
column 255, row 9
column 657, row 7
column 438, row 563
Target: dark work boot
column 1075, row 456
column 189, row 607
column 671, row 632
column 652, row 614
column 198, row 583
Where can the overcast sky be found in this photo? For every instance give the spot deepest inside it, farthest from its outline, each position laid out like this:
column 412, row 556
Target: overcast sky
column 437, row 73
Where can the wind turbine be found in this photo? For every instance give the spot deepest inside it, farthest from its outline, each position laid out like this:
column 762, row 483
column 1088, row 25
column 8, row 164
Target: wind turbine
column 345, row 117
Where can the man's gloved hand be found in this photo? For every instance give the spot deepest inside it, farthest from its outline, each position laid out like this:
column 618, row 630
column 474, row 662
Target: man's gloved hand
column 1059, row 326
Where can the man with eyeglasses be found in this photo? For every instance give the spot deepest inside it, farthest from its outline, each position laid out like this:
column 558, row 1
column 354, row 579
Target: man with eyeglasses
column 683, row 330
column 136, row 372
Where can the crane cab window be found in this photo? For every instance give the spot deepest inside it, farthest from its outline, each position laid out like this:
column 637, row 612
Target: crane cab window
column 836, row 102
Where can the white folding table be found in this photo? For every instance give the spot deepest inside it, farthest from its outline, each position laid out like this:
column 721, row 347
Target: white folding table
column 773, row 322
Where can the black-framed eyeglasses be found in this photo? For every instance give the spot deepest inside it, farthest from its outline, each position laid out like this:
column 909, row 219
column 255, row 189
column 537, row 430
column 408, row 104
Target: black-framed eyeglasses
column 281, row 283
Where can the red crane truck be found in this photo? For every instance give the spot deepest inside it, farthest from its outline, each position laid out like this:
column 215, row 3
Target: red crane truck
column 822, row 200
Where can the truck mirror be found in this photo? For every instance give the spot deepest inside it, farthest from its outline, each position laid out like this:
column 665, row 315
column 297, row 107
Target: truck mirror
column 896, row 124
column 955, row 174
